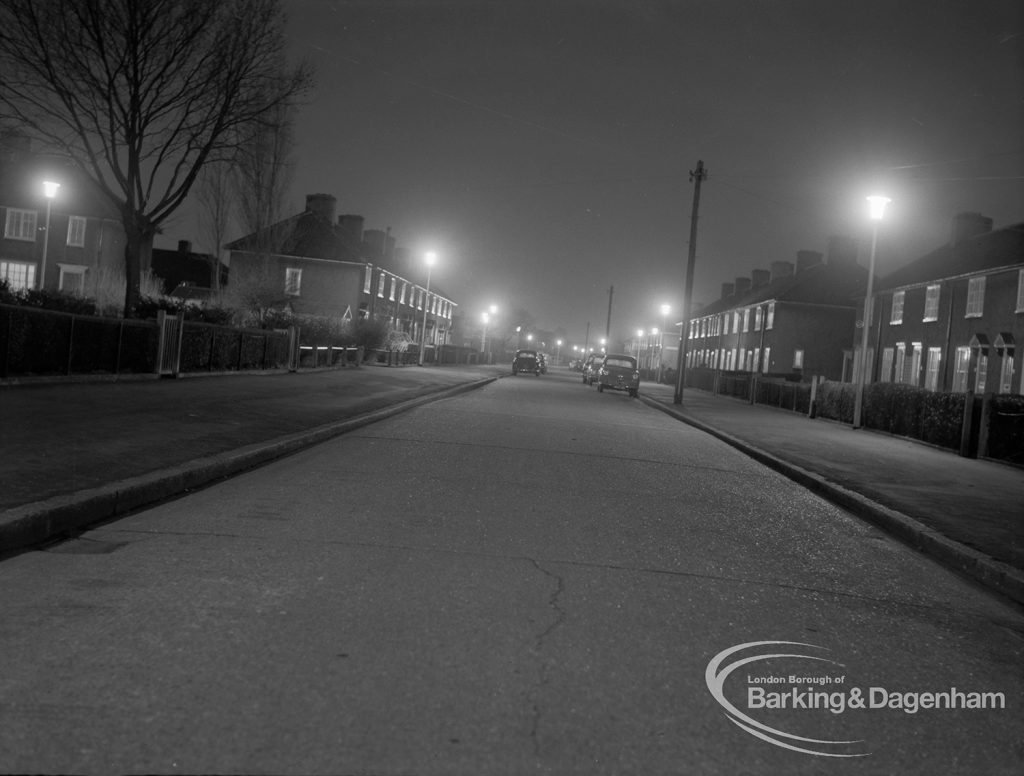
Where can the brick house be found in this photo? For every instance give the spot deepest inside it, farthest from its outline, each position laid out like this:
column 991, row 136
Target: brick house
column 950, row 320
column 317, row 263
column 791, row 320
column 85, row 232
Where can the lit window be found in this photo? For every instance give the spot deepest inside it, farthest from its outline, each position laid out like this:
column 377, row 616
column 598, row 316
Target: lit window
column 366, row 279
column 931, row 303
column 19, row 275
column 897, row 307
column 725, row 324
column 746, row 319
column 72, row 278
column 758, row 317
column 771, row 316
column 798, row 359
column 391, row 294
column 381, row 280
column 767, row 358
column 975, row 297
column 1006, row 372
column 76, row 231
column 931, row 380
column 886, row 374
column 292, row 281
column 405, row 288
column 736, row 321
column 20, row 225
column 961, row 369
column 981, row 379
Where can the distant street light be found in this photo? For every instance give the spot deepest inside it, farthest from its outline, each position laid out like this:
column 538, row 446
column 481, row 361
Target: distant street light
column 49, row 191
column 558, row 351
column 876, row 205
column 430, row 258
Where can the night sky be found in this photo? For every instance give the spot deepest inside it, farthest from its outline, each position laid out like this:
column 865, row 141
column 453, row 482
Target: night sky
column 542, row 149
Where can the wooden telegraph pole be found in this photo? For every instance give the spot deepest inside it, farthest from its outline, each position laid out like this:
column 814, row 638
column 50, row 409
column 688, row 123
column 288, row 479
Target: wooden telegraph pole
column 696, row 176
column 608, row 324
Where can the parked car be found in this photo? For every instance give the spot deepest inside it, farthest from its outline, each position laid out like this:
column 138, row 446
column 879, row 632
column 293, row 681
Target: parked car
column 526, row 361
column 590, row 367
column 619, row 373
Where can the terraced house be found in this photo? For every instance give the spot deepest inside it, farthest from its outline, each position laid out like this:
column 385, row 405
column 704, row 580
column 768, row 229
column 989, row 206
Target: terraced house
column 792, row 320
column 320, row 263
column 951, row 320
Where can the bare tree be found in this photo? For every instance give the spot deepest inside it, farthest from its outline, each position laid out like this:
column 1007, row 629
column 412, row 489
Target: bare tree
column 214, row 195
column 140, row 94
column 262, row 171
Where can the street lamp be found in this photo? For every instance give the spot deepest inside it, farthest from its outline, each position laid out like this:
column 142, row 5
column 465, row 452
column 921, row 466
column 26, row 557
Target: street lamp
column 483, row 340
column 639, row 345
column 876, row 209
column 49, row 191
column 430, row 258
column 665, row 310
column 558, row 351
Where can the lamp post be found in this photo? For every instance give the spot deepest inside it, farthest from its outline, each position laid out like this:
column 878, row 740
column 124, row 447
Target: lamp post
column 665, row 310
column 876, row 205
column 49, row 191
column 483, row 340
column 430, row 257
column 639, row 346
column 558, row 351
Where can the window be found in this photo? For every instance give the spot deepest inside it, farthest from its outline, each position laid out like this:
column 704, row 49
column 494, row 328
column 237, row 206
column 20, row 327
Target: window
column 931, row 380
column 771, row 316
column 725, row 324
column 897, row 307
column 767, row 359
column 76, row 231
column 72, row 278
column 1020, row 291
column 292, row 281
column 366, row 279
column 798, row 359
column 405, row 288
column 975, row 297
column 915, row 364
column 381, row 280
column 960, row 370
column 21, row 224
column 758, row 317
column 886, row 374
column 394, row 284
column 746, row 320
column 931, row 303
column 736, row 321
column 757, row 359
column 19, row 275
column 901, row 362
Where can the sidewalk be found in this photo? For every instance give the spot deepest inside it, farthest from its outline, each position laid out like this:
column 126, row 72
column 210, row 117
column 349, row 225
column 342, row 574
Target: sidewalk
column 965, row 512
column 74, row 454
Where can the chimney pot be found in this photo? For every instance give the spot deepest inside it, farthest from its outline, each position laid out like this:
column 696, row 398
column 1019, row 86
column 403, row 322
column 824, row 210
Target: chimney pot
column 760, row 277
column 781, row 269
column 727, row 290
column 742, row 285
column 323, row 205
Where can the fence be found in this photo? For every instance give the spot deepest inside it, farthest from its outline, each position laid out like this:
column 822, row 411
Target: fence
column 35, row 342
column 989, row 426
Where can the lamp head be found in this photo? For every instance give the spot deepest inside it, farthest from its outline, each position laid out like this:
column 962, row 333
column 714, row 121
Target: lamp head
column 876, row 206
column 50, row 189
column 430, row 257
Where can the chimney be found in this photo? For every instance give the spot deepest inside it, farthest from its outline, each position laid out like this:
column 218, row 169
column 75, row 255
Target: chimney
column 760, row 277
column 350, row 229
column 842, row 251
column 781, row 269
column 727, row 290
column 742, row 285
column 968, row 225
column 807, row 259
column 184, row 247
column 323, row 205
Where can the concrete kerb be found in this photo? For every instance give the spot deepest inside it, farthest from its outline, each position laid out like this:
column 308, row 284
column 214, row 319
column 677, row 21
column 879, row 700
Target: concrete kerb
column 45, row 520
column 997, row 576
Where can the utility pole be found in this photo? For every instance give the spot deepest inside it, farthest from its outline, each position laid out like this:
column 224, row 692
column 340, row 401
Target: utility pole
column 608, row 325
column 696, row 176
column 586, row 341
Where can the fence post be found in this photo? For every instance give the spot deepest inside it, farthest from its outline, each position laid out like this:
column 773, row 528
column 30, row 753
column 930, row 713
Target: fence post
column 812, row 409
column 986, row 416
column 71, row 344
column 966, row 426
column 293, row 349
column 161, row 318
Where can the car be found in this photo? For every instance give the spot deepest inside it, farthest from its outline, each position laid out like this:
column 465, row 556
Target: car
column 526, row 361
column 618, row 373
column 590, row 367
column 542, row 360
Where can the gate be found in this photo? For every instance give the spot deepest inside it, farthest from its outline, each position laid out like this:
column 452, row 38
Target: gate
column 168, row 358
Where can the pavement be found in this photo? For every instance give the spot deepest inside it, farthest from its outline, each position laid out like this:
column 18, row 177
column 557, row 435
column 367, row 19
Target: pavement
column 75, row 454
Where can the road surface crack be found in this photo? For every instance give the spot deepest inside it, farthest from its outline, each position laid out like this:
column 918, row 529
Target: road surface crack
column 538, row 647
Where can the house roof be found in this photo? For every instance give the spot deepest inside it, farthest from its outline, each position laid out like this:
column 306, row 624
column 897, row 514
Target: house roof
column 999, row 248
column 824, row 284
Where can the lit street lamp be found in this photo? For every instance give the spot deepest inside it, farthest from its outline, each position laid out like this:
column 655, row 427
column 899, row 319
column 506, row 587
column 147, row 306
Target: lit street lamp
column 49, row 191
column 558, row 351
column 430, row 257
column 876, row 206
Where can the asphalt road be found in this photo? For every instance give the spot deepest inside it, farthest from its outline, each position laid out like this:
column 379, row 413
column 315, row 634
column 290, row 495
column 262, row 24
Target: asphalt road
column 529, row 578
